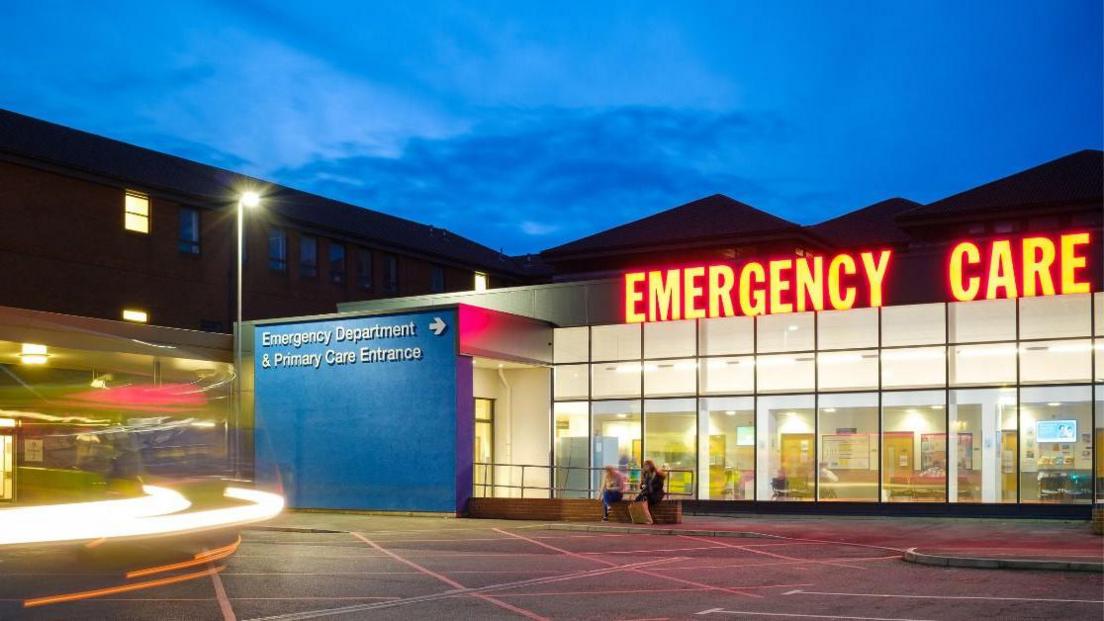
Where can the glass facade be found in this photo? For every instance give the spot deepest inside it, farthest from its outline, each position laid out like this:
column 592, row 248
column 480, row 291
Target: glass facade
column 978, row 402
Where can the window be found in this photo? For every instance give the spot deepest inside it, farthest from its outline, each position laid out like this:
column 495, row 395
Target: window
column 918, row 324
column 390, row 273
column 616, row 428
column 479, row 281
column 277, row 250
column 570, row 344
column 308, row 256
column 734, row 375
column 615, row 380
column 1055, row 316
column 1056, row 456
column 847, row 370
column 847, row 463
column 975, row 365
column 670, row 378
column 571, row 449
column 437, row 279
column 670, row 440
column 571, row 381
column 914, row 447
column 136, row 212
column 135, row 315
column 669, row 339
column 728, row 439
column 786, row 332
column 364, row 268
column 1043, row 362
column 989, row 320
column 983, row 445
column 914, row 367
column 188, row 238
column 728, row 335
column 785, row 373
column 615, row 342
column 847, row 329
column 337, row 263
column 784, row 436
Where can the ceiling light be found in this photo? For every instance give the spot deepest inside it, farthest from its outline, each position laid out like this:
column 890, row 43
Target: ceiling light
column 32, row 353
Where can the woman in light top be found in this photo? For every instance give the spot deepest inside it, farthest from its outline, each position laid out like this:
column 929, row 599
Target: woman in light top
column 613, row 488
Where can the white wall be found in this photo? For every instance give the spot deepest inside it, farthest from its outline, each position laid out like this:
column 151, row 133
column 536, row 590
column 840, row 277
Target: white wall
column 522, row 422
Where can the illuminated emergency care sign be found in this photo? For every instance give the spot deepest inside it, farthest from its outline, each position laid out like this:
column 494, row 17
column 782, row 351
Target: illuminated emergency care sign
column 1026, row 267
column 795, row 284
column 993, row 269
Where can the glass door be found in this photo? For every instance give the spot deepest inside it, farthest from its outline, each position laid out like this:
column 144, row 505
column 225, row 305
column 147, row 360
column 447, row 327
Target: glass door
column 483, row 451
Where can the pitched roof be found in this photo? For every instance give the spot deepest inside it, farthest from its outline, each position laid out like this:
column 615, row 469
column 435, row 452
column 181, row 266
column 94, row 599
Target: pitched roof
column 1075, row 179
column 713, row 218
column 873, row 224
column 29, row 138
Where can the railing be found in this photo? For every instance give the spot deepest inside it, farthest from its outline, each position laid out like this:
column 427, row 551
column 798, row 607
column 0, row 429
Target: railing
column 559, row 479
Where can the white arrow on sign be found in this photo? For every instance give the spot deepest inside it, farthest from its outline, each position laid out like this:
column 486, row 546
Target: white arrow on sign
column 438, row 326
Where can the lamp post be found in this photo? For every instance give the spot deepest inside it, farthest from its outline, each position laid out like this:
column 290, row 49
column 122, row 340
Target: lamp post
column 246, row 200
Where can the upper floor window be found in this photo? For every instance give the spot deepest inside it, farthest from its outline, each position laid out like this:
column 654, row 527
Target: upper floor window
column 364, row 268
column 437, row 279
column 277, row 250
column 136, row 211
column 337, row 263
column 480, row 282
column 188, row 240
column 308, row 256
column 391, row 273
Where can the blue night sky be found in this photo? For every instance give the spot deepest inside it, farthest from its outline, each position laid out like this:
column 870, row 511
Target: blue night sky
column 527, row 126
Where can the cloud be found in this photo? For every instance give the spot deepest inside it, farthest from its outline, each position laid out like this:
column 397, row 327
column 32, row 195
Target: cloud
column 551, row 173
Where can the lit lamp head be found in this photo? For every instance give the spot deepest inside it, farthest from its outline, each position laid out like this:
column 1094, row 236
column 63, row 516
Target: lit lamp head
column 250, row 199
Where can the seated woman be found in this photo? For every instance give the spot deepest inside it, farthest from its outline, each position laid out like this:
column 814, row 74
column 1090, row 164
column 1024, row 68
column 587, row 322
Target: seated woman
column 651, row 484
column 613, row 489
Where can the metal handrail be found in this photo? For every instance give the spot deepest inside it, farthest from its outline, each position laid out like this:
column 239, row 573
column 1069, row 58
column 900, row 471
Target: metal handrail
column 480, row 488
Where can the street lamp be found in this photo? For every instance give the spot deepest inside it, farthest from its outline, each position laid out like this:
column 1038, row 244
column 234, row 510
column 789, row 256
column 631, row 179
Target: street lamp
column 246, row 200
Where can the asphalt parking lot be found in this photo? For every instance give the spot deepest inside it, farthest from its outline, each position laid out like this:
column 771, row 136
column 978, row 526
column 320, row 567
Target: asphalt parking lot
column 426, row 568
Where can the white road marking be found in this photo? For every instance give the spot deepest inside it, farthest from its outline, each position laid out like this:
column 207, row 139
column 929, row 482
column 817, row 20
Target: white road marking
column 752, row 613
column 967, row 597
column 223, row 600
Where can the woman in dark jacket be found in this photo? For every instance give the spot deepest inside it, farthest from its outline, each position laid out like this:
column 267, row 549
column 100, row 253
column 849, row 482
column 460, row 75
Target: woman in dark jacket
column 651, row 484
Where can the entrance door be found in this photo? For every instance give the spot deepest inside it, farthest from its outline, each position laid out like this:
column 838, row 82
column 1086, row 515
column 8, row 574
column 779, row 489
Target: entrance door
column 483, row 451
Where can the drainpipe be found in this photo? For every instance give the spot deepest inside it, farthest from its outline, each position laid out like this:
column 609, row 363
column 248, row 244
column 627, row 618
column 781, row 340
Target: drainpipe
column 507, row 428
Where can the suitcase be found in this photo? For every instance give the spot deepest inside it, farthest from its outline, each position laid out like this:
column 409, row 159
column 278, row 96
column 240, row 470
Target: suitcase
column 639, row 513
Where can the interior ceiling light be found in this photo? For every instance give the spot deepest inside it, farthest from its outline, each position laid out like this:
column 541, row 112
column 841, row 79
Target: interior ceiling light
column 32, row 353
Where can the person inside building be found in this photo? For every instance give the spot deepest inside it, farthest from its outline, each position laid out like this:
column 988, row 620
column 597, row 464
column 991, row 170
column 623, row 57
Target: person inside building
column 613, row 489
column 651, row 484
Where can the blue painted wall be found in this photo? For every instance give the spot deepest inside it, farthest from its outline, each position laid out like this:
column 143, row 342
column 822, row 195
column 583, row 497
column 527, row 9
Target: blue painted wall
column 381, row 435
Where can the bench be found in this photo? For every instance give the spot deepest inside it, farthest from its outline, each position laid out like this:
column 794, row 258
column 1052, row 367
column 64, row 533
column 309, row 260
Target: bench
column 565, row 510
column 666, row 512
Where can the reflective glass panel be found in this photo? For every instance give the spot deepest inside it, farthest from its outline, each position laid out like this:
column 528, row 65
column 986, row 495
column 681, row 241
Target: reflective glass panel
column 571, row 439
column 671, row 440
column 669, row 339
column 1055, row 361
column 786, row 459
column 729, row 335
column 914, row 367
column 1056, row 458
column 615, row 342
column 570, row 344
column 848, row 329
column 983, row 438
column 1055, row 316
column 847, row 467
column 988, row 320
column 990, row 363
column 847, row 370
column 726, row 470
column 613, row 380
column 917, row 324
column 734, row 375
column 785, row 373
column 669, row 378
column 914, row 447
column 571, row 381
column 785, row 332
column 615, row 426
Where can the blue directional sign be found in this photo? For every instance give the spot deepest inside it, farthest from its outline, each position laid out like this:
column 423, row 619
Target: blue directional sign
column 360, row 412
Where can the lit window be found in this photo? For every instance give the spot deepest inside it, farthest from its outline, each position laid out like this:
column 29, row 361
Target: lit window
column 480, row 281
column 437, row 279
column 337, row 263
column 136, row 212
column 138, row 316
column 308, row 256
column 188, row 242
